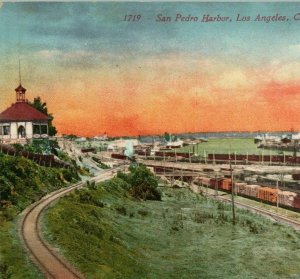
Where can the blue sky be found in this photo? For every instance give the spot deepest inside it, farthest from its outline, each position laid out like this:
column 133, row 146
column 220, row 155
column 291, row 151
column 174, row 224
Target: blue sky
column 83, row 51
column 99, row 27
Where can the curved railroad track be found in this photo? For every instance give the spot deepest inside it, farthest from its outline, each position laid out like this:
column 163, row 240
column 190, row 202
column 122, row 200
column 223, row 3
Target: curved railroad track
column 49, row 262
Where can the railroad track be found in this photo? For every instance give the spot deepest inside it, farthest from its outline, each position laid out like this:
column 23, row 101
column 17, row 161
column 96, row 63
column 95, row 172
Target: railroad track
column 264, row 212
column 49, row 262
column 274, row 216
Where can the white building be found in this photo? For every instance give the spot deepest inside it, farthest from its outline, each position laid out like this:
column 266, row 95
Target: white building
column 21, row 121
column 101, row 138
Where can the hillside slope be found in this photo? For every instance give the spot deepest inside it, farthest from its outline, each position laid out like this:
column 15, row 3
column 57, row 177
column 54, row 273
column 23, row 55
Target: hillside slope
column 22, row 182
column 107, row 233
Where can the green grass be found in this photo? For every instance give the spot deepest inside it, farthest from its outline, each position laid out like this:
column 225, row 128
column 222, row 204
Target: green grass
column 111, row 235
column 22, row 182
column 225, row 145
column 14, row 264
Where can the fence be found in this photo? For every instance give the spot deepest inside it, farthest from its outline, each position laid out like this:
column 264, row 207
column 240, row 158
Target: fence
column 41, row 159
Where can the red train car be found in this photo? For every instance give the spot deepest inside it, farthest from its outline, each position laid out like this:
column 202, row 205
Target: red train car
column 254, row 158
column 296, row 203
column 118, row 156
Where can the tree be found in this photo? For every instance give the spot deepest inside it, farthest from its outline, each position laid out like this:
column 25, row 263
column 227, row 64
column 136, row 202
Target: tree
column 167, row 136
column 42, row 107
column 144, row 184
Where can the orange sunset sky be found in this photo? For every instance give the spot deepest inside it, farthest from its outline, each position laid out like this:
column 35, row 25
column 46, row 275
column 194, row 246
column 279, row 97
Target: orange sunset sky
column 99, row 74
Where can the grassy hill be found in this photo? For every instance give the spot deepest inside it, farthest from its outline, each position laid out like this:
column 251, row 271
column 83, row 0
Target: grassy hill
column 107, row 233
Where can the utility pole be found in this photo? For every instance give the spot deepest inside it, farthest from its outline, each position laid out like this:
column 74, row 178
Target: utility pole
column 173, row 177
column 232, row 194
column 216, row 186
column 164, row 163
column 277, row 198
column 295, row 151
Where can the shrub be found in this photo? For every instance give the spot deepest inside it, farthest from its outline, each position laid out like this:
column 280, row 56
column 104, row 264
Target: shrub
column 143, row 184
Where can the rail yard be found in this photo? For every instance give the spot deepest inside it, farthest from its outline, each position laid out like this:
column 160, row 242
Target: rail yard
column 271, row 179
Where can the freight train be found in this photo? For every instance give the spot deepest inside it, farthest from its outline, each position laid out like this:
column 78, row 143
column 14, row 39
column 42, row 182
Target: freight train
column 269, row 195
column 225, row 158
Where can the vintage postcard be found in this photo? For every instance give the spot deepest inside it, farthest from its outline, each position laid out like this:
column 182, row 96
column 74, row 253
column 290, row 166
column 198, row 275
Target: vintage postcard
column 149, row 139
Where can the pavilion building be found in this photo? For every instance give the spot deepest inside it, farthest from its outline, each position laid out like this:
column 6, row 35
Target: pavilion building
column 21, row 122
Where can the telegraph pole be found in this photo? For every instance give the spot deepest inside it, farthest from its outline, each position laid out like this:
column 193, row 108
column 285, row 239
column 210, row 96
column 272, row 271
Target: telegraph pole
column 277, row 198
column 232, row 193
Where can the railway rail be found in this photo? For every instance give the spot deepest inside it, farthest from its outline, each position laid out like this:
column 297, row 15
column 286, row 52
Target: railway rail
column 264, row 212
column 49, row 262
column 274, row 216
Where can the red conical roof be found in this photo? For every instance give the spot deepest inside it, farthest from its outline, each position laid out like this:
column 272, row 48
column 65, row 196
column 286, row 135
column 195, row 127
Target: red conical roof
column 22, row 112
column 20, row 88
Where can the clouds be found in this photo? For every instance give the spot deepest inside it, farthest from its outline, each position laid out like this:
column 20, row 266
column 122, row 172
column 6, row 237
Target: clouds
column 102, row 73
column 235, row 79
column 167, row 91
column 286, row 72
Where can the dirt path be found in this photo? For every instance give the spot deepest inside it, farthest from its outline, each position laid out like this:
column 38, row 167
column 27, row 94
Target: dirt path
column 50, row 263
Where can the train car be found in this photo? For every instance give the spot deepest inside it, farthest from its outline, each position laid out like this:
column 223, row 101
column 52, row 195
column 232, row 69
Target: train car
column 251, row 190
column 289, row 159
column 220, row 183
column 218, row 157
column 296, row 175
column 213, row 183
column 296, row 202
column 226, row 184
column 242, row 189
column 118, row 156
column 86, row 150
column 286, row 198
column 240, row 157
column 239, row 186
column 267, row 194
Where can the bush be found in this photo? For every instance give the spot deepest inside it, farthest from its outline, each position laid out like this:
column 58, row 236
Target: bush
column 144, row 184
